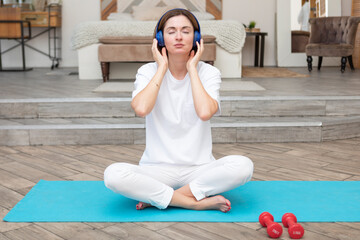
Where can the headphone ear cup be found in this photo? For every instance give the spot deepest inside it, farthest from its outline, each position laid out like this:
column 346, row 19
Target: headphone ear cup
column 197, row 37
column 160, row 39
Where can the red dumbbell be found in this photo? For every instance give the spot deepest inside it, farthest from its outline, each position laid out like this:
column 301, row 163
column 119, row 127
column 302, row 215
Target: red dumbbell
column 274, row 229
column 296, row 231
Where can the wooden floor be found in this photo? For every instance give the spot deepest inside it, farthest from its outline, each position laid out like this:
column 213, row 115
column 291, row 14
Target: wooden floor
column 22, row 167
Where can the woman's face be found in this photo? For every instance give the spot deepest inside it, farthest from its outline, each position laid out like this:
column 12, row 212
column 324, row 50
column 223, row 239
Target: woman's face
column 178, row 35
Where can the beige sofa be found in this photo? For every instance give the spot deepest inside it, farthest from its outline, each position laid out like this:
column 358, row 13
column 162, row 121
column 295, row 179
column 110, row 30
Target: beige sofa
column 138, row 49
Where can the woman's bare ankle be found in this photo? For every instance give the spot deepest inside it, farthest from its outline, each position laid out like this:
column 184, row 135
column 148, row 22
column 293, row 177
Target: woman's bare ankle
column 217, row 202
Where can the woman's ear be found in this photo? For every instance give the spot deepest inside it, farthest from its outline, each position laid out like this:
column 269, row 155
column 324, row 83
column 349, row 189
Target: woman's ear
column 192, row 53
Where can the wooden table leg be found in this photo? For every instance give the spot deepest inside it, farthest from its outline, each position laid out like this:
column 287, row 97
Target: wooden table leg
column 105, row 69
column 262, row 50
column 256, row 61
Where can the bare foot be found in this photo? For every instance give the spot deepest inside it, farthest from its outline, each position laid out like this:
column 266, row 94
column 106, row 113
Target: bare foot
column 142, row 205
column 217, row 202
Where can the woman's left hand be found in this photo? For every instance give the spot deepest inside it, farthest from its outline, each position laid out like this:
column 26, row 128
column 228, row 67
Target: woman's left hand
column 195, row 58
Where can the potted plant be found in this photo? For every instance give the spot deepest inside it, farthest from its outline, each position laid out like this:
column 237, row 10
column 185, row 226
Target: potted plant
column 251, row 27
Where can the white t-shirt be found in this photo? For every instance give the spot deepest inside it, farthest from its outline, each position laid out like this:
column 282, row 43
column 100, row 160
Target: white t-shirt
column 174, row 133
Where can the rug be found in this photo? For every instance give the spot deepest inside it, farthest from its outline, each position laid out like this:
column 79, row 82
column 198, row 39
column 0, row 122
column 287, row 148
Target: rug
column 61, row 72
column 91, row 201
column 115, row 87
column 267, row 72
column 226, row 85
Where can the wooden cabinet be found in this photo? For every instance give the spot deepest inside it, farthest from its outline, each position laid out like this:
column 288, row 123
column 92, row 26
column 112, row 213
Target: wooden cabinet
column 10, row 30
column 41, row 19
column 50, row 20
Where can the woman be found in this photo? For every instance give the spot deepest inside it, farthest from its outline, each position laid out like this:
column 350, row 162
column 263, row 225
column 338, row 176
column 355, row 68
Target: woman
column 178, row 94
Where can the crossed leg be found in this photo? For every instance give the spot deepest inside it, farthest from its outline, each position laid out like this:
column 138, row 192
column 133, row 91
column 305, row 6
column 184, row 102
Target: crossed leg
column 184, row 198
column 153, row 186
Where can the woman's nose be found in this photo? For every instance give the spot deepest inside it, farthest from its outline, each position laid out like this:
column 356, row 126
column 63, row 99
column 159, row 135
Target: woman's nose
column 178, row 35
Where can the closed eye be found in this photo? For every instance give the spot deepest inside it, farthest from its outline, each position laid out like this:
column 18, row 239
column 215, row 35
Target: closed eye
column 185, row 30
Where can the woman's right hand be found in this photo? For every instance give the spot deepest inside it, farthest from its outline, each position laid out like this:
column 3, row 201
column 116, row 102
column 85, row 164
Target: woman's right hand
column 160, row 58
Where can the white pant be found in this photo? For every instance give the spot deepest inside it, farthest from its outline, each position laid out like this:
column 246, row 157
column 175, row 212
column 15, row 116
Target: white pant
column 155, row 184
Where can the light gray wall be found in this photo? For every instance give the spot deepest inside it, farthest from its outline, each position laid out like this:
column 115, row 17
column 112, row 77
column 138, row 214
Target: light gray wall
column 263, row 13
column 76, row 11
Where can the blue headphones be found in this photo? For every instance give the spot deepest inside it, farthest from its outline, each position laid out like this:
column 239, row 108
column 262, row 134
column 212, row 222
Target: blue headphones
column 160, row 37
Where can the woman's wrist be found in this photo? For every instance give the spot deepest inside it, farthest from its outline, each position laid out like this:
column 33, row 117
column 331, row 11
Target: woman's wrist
column 161, row 71
column 191, row 69
column 162, row 68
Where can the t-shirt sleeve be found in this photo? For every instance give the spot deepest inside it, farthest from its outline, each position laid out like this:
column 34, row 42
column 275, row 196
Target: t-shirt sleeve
column 211, row 79
column 143, row 76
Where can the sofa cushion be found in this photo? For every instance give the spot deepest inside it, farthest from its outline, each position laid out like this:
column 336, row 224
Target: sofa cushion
column 329, row 50
column 125, row 53
column 141, row 53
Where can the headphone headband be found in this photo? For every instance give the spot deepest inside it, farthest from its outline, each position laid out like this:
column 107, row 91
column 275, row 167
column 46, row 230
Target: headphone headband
column 197, row 22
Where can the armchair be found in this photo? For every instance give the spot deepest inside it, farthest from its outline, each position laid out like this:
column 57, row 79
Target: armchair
column 332, row 37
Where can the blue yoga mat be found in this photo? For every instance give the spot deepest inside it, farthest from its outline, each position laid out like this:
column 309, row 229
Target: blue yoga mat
column 91, row 201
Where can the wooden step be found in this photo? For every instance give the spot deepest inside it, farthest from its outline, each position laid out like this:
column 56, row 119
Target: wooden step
column 83, row 131
column 230, row 106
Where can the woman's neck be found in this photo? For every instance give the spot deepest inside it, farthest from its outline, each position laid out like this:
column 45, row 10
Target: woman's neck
column 177, row 66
